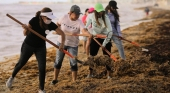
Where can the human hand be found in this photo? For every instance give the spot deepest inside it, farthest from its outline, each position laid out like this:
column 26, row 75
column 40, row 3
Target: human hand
column 103, row 48
column 54, row 32
column 61, row 47
column 90, row 36
column 24, row 26
column 119, row 37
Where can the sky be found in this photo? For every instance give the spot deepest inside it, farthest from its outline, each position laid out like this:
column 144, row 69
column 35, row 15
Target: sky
column 15, row 1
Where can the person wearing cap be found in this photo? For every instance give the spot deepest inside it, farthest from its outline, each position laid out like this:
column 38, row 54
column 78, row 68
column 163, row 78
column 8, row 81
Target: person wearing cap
column 114, row 19
column 69, row 23
column 100, row 25
column 33, row 44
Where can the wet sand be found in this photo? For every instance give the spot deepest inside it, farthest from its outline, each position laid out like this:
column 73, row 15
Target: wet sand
column 141, row 72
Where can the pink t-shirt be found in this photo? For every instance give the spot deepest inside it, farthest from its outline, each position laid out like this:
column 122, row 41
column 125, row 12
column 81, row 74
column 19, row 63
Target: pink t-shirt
column 84, row 18
column 73, row 27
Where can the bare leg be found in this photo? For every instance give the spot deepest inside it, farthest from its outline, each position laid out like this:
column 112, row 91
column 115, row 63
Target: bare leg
column 74, row 75
column 56, row 72
column 84, row 46
column 88, row 46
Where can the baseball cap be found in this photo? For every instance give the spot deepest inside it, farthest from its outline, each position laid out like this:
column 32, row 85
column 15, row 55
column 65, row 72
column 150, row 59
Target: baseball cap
column 99, row 7
column 113, row 4
column 75, row 9
column 91, row 9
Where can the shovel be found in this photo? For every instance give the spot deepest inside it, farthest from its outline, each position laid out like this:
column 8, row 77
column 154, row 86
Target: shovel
column 42, row 37
column 134, row 43
column 111, row 56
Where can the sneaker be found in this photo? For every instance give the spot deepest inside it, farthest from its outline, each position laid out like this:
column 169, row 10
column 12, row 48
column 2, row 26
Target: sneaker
column 41, row 91
column 9, row 82
column 89, row 76
column 54, row 82
column 109, row 77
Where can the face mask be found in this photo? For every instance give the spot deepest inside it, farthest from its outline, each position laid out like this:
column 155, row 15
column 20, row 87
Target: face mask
column 47, row 21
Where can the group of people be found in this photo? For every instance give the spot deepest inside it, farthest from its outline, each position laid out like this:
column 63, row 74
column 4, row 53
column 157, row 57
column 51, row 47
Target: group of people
column 98, row 20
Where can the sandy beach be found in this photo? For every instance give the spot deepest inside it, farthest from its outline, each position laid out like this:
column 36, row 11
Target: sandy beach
column 141, row 72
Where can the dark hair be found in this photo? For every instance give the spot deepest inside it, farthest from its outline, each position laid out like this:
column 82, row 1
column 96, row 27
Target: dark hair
column 114, row 12
column 96, row 17
column 86, row 10
column 42, row 24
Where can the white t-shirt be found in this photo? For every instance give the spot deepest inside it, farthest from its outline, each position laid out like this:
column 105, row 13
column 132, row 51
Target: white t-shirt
column 73, row 27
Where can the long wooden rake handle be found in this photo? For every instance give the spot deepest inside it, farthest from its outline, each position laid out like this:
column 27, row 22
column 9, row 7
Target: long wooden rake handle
column 105, row 50
column 40, row 35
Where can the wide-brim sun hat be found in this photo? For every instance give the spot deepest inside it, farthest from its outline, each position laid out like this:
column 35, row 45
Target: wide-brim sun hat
column 99, row 7
column 48, row 14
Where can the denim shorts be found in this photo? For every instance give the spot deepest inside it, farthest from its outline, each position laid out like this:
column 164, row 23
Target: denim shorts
column 60, row 56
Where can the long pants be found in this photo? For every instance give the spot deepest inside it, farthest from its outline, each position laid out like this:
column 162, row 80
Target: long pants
column 119, row 46
column 40, row 53
column 94, row 48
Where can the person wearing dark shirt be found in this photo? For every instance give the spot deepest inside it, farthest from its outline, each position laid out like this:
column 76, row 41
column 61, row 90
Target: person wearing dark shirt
column 33, row 44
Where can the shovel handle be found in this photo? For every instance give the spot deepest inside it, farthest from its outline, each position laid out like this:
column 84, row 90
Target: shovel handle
column 134, row 43
column 106, row 50
column 69, row 34
column 40, row 35
column 14, row 19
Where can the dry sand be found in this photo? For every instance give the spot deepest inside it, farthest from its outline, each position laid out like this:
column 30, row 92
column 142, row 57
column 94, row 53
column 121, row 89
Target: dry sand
column 141, row 72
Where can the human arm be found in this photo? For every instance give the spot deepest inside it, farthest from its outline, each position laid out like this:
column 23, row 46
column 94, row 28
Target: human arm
column 108, row 32
column 26, row 31
column 59, row 26
column 118, row 28
column 60, row 32
column 84, row 30
column 88, row 20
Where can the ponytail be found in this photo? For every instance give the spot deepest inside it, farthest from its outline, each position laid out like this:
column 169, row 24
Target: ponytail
column 38, row 14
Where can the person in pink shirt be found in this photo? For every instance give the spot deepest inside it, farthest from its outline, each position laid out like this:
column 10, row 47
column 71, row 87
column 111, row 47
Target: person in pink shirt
column 84, row 21
column 84, row 16
column 87, row 11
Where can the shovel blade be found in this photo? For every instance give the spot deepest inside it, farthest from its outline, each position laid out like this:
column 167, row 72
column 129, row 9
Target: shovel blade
column 144, row 49
column 111, row 56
